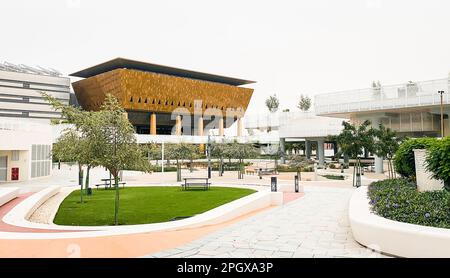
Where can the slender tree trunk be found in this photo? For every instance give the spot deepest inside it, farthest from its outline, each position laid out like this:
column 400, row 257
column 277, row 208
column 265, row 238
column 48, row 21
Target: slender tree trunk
column 191, row 168
column 80, row 181
column 354, row 174
column 178, row 171
column 86, row 185
column 116, row 202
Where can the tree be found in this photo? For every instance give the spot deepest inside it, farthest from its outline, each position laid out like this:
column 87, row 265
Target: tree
column 179, row 152
column 70, row 147
column 219, row 151
column 299, row 162
column 438, row 161
column 386, row 145
column 241, row 152
column 353, row 140
column 116, row 144
column 272, row 103
column 305, row 103
column 76, row 144
column 154, row 152
column 106, row 138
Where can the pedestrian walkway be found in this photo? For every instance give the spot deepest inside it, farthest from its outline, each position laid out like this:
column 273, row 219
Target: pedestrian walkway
column 315, row 225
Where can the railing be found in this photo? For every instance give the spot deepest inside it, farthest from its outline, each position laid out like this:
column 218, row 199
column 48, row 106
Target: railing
column 174, row 139
column 413, row 94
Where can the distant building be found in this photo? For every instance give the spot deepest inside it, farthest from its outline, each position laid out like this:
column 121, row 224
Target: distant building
column 161, row 100
column 25, row 131
column 411, row 109
column 273, row 130
column 20, row 91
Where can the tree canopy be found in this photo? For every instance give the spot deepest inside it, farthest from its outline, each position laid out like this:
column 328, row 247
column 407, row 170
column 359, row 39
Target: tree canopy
column 272, row 103
column 305, row 103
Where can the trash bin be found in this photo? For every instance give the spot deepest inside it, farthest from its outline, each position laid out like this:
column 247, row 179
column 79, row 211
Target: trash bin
column 89, row 191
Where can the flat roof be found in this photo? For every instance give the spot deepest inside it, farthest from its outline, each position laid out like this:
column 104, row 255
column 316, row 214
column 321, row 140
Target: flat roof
column 121, row 63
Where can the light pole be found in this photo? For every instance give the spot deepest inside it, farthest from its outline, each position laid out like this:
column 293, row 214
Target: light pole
column 442, row 112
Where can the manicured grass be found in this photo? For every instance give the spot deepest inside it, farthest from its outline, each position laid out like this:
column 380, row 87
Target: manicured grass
column 141, row 205
column 334, row 177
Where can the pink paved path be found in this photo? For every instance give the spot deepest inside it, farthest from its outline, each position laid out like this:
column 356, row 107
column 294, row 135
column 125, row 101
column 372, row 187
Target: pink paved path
column 120, row 246
column 5, row 227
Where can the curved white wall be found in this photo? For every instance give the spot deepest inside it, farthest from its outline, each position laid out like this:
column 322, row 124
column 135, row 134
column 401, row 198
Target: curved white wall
column 392, row 237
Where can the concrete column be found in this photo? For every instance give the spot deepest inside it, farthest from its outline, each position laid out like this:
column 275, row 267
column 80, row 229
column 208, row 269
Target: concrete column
column 200, row 133
column 221, row 130
column 239, row 127
column 308, row 149
column 178, row 125
column 321, row 152
column 153, row 124
column 283, row 150
column 200, row 126
column 379, row 165
column 378, row 160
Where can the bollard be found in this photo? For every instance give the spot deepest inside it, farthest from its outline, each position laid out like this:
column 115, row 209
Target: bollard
column 273, row 184
column 296, row 183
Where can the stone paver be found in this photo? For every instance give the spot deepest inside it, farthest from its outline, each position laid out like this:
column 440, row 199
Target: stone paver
column 315, row 225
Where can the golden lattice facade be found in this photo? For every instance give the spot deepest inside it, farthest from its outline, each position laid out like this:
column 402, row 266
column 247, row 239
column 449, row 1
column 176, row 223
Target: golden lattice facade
column 159, row 93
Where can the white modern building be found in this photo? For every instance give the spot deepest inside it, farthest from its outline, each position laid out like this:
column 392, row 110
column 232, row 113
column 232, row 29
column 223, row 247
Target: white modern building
column 411, row 109
column 275, row 129
column 25, row 131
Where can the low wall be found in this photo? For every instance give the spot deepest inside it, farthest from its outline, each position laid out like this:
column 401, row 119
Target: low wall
column 7, row 194
column 393, row 237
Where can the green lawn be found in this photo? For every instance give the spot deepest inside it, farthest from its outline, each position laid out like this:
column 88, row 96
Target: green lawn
column 141, row 205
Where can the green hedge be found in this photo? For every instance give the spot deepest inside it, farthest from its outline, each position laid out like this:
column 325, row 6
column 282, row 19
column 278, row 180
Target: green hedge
column 438, row 161
column 404, row 157
column 284, row 169
column 399, row 200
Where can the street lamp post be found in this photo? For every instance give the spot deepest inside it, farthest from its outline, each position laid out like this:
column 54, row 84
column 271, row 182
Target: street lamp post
column 442, row 112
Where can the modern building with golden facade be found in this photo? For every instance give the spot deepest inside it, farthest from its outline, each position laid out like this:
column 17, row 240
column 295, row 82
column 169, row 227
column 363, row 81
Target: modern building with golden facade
column 165, row 100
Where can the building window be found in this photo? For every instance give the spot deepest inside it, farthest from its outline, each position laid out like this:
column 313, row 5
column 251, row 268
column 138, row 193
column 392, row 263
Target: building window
column 15, row 156
column 40, row 160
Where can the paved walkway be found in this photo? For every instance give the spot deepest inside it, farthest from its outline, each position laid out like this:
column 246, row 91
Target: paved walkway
column 315, row 225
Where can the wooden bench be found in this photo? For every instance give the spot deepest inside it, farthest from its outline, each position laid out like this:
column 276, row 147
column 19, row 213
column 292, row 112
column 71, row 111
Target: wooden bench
column 196, row 183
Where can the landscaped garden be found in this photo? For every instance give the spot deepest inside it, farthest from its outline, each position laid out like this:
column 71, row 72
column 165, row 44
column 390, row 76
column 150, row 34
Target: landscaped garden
column 400, row 200
column 141, row 205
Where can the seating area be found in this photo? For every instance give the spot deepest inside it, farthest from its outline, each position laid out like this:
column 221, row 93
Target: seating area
column 267, row 171
column 109, row 183
column 196, row 183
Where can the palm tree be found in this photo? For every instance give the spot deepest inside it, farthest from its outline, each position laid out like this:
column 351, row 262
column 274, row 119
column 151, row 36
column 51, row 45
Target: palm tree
column 353, row 140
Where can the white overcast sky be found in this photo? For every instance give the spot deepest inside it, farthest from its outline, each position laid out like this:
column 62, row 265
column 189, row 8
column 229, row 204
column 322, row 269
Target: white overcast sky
column 288, row 47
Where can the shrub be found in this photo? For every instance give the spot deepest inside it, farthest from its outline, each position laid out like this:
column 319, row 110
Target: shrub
column 398, row 200
column 404, row 157
column 438, row 161
column 285, row 169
